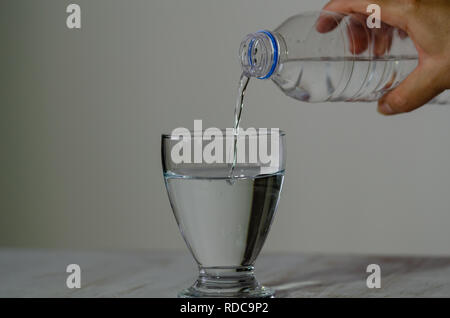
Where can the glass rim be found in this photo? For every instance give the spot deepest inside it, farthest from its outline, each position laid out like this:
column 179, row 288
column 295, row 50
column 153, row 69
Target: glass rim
column 224, row 134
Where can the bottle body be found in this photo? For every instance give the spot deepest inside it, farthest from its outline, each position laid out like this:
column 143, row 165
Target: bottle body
column 323, row 56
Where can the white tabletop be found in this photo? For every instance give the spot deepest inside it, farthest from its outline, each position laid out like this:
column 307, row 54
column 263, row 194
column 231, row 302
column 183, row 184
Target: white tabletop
column 42, row 273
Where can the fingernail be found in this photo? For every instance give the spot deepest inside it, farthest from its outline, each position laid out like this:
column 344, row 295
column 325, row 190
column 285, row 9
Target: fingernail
column 385, row 109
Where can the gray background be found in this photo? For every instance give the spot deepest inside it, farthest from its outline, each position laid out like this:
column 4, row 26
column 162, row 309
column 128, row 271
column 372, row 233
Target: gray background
column 82, row 112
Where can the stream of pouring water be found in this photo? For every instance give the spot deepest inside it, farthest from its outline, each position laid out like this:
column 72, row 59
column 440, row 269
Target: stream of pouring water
column 243, row 83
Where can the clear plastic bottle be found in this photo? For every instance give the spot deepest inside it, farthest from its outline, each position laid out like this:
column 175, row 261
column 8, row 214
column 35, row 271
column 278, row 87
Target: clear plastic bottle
column 336, row 58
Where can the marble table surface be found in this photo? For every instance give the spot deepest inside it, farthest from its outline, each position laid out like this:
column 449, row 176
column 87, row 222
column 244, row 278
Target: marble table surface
column 42, row 273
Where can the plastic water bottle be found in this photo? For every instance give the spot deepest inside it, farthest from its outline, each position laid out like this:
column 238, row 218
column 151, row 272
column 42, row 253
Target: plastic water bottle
column 336, row 58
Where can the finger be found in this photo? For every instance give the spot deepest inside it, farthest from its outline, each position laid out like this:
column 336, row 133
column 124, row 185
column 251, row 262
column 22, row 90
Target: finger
column 382, row 40
column 416, row 90
column 327, row 22
column 402, row 34
column 358, row 35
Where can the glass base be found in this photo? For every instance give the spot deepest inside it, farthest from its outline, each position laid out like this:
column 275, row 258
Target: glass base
column 229, row 282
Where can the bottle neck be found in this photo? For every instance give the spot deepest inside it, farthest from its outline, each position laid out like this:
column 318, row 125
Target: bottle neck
column 259, row 54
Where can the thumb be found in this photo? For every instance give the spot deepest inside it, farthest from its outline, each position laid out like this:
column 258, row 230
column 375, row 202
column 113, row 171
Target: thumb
column 416, row 90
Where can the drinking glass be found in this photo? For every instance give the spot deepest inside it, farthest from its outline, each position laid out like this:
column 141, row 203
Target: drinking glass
column 224, row 208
